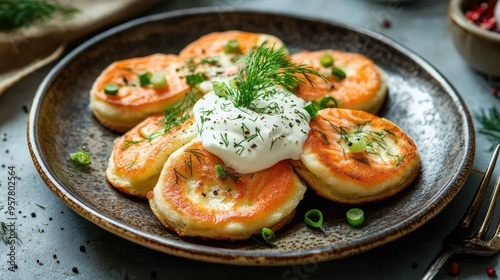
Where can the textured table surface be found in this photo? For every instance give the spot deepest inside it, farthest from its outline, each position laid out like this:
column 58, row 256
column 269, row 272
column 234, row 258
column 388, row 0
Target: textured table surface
column 56, row 243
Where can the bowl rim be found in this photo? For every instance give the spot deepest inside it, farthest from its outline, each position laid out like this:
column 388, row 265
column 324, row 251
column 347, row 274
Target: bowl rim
column 458, row 16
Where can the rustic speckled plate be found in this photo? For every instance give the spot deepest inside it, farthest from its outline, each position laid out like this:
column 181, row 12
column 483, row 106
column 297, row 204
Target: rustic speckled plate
column 420, row 100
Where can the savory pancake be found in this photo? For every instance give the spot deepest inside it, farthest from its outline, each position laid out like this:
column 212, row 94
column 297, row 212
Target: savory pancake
column 133, row 102
column 216, row 54
column 219, row 43
column 193, row 199
column 362, row 88
column 387, row 161
column 139, row 155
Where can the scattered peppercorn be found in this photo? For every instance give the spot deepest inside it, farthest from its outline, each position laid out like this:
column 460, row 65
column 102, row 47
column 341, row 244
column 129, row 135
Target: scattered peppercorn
column 494, row 91
column 454, row 269
column 82, row 249
column 491, row 272
column 25, row 109
column 74, row 269
column 386, row 23
column 33, row 215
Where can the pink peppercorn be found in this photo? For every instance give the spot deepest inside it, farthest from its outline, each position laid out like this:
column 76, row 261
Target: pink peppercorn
column 454, row 269
column 386, row 23
column 494, row 91
column 491, row 272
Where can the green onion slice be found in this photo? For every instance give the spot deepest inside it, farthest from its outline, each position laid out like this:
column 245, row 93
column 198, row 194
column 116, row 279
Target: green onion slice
column 339, row 73
column 268, row 236
column 145, row 78
column 111, row 89
column 328, row 102
column 355, row 217
column 356, row 144
column 220, row 89
column 80, row 157
column 233, row 83
column 314, row 218
column 312, row 107
column 158, row 80
column 326, row 60
column 220, row 172
column 232, row 46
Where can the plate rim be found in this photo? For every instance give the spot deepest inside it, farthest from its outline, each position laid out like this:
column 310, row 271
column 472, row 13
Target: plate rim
column 231, row 256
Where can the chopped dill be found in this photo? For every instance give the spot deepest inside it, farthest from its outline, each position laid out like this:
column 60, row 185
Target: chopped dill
column 265, row 67
column 223, row 138
column 178, row 175
column 362, row 160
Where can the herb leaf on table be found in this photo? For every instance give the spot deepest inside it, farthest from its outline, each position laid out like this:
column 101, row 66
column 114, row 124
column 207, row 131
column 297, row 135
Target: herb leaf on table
column 490, row 125
column 18, row 13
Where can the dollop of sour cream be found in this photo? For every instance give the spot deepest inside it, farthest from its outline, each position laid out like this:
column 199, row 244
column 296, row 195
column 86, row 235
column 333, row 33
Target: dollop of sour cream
column 252, row 140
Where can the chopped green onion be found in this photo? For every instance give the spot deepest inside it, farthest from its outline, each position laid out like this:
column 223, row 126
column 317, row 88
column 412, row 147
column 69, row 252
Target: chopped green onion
column 268, row 235
column 80, row 157
column 314, row 218
column 233, row 83
column 158, row 80
column 355, row 217
column 312, row 107
column 220, row 89
column 220, row 172
column 339, row 73
column 356, row 144
column 111, row 89
column 326, row 60
column 327, row 102
column 195, row 78
column 145, row 78
column 232, row 46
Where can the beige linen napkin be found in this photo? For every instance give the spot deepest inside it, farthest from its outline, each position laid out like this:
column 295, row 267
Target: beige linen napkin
column 25, row 49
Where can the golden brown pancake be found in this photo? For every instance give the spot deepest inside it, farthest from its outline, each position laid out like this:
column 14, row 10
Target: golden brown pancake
column 213, row 43
column 134, row 102
column 192, row 200
column 389, row 163
column 363, row 88
column 139, row 155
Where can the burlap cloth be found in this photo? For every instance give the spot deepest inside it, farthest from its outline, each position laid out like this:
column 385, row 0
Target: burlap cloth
column 25, row 49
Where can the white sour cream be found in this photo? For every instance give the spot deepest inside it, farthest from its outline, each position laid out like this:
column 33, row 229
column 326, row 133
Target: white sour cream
column 248, row 141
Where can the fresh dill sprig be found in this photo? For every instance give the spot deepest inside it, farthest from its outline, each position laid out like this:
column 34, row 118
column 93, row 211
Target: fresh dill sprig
column 490, row 122
column 18, row 13
column 265, row 67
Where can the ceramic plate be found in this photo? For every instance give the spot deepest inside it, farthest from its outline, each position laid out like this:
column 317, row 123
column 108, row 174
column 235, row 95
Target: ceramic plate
column 420, row 100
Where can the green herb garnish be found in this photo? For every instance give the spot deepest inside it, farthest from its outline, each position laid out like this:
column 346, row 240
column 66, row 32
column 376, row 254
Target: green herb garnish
column 265, row 238
column 490, row 122
column 81, row 157
column 18, row 13
column 314, row 218
column 265, row 67
column 195, row 79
